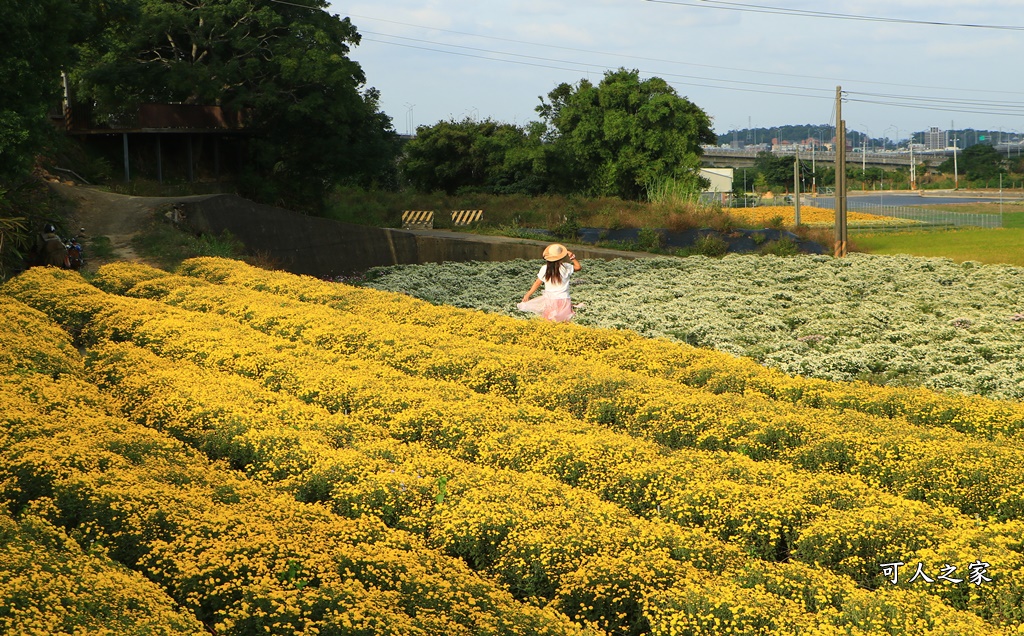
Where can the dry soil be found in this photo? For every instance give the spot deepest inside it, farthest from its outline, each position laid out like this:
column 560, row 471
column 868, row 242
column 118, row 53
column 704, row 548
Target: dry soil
column 119, row 217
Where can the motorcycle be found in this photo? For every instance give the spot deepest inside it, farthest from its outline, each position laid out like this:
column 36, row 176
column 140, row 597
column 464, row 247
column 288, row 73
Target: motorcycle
column 76, row 258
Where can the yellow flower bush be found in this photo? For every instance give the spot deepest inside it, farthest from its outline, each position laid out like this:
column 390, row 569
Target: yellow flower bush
column 239, row 558
column 527, row 531
column 31, row 343
column 619, row 498
column 50, row 585
column 704, row 368
column 810, row 215
column 641, row 405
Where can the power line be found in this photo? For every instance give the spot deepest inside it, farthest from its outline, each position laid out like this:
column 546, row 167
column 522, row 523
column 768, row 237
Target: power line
column 301, row 6
column 1016, row 106
column 757, row 8
column 919, row 102
column 804, row 76
column 938, row 107
column 546, row 59
column 585, row 69
column 590, row 67
column 941, row 104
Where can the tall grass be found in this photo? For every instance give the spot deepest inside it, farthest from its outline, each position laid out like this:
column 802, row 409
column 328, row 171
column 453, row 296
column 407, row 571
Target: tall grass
column 673, row 192
column 166, row 246
column 674, row 208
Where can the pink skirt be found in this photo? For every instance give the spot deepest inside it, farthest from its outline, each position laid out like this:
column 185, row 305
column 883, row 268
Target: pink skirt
column 553, row 309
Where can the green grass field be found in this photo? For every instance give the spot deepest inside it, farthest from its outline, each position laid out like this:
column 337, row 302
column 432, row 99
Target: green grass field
column 1002, row 245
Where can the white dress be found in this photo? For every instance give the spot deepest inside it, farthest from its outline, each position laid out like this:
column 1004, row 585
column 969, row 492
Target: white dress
column 554, row 303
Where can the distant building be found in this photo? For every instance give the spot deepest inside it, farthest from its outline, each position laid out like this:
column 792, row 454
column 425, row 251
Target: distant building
column 936, row 139
column 720, row 178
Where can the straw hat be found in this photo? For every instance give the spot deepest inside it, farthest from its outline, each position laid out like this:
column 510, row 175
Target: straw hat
column 555, row 252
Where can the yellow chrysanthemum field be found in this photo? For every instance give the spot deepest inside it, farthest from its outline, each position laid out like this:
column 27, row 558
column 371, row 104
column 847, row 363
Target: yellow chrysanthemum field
column 231, row 450
column 811, row 215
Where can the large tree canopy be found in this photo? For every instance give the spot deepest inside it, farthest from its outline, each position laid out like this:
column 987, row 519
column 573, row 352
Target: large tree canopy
column 979, row 161
column 624, row 135
column 285, row 65
column 37, row 37
column 777, row 170
column 480, row 155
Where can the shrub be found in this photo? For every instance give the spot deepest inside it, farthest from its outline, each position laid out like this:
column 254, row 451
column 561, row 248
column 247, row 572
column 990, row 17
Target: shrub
column 569, row 228
column 710, row 245
column 785, row 246
column 648, row 239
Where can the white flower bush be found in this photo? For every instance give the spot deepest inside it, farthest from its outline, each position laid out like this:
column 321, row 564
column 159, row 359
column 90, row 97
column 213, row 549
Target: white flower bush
column 896, row 320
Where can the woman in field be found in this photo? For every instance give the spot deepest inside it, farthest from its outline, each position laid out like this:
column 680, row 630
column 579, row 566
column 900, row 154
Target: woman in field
column 554, row 303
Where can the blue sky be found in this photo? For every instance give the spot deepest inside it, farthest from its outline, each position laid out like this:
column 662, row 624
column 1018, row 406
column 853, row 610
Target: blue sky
column 903, row 64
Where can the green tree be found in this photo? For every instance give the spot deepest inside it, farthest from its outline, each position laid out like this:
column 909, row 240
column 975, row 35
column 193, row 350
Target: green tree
column 776, row 170
column 525, row 169
column 761, row 184
column 482, row 155
column 622, row 136
column 1017, row 165
column 285, row 66
column 38, row 44
column 38, row 36
column 980, row 161
column 871, row 176
column 825, row 175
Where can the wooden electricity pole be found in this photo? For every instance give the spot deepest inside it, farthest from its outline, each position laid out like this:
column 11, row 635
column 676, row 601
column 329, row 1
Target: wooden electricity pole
column 796, row 188
column 840, row 244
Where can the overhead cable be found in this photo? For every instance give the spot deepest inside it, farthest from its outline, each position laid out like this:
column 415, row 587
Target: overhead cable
column 758, row 8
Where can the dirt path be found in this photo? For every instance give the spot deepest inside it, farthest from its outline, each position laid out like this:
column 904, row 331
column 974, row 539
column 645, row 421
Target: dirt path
column 118, row 217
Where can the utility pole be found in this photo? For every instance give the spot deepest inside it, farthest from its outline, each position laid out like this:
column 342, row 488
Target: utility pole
column 840, row 243
column 913, row 168
column 796, row 188
column 956, row 173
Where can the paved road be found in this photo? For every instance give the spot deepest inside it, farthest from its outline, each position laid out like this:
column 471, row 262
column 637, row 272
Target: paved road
column 898, row 199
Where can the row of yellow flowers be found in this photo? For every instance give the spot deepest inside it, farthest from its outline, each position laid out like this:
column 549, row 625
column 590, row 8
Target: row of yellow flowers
column 906, row 459
column 811, row 215
column 168, row 337
column 633, row 571
column 540, row 538
column 487, row 518
column 681, row 363
column 237, row 556
column 33, row 343
column 49, row 585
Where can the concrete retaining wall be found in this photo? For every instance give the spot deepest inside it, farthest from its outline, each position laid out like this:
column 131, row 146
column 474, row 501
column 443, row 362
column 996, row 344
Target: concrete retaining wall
column 321, row 247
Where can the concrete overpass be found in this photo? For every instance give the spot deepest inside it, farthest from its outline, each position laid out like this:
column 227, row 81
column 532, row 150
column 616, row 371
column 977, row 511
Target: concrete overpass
column 717, row 157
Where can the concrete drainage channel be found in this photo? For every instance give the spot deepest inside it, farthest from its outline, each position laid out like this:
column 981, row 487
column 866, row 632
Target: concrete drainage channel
column 322, row 247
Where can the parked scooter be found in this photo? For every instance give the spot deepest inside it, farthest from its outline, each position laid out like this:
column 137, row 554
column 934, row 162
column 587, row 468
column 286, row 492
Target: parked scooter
column 76, row 254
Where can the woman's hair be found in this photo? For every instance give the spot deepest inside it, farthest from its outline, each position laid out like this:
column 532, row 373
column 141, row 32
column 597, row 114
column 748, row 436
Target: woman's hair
column 554, row 272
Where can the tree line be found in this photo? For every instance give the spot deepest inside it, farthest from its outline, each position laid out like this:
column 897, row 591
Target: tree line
column 313, row 120
column 620, row 137
column 978, row 163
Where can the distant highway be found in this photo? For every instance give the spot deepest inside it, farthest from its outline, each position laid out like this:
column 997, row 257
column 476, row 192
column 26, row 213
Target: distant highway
column 890, row 198
column 717, row 157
